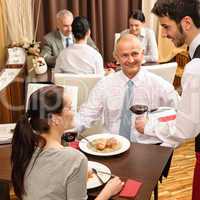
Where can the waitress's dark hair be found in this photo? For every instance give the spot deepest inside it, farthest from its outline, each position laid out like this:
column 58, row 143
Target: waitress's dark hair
column 80, row 26
column 138, row 15
column 42, row 104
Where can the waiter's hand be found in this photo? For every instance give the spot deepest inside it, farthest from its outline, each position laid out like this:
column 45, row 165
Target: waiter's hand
column 140, row 124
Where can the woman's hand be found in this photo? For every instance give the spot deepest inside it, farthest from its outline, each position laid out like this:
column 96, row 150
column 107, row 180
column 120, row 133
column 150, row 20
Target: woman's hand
column 111, row 188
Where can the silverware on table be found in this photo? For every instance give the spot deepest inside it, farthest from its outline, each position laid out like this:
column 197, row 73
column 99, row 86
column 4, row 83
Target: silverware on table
column 96, row 173
column 84, row 138
column 102, row 172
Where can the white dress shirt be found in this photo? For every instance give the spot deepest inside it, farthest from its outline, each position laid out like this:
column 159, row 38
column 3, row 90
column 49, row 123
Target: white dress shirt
column 70, row 39
column 106, row 99
column 79, row 59
column 187, row 123
column 148, row 41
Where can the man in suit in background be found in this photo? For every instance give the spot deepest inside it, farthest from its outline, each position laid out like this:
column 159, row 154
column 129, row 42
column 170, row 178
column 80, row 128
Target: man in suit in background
column 56, row 41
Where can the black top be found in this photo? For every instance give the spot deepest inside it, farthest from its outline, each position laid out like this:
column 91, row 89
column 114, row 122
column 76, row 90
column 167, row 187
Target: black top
column 197, row 139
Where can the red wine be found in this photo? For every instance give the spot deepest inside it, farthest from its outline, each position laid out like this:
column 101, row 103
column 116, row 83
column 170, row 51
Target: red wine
column 139, row 109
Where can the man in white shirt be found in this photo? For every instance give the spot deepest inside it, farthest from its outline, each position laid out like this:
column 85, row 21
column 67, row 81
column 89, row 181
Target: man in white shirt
column 56, row 41
column 107, row 97
column 180, row 20
column 144, row 34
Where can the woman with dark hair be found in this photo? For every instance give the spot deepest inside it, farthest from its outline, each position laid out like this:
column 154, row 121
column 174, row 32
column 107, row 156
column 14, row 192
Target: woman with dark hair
column 145, row 35
column 80, row 58
column 41, row 167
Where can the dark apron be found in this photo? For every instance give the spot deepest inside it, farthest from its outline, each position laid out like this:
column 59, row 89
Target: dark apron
column 196, row 177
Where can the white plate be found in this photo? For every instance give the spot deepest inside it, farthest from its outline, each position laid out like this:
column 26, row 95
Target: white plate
column 94, row 181
column 125, row 144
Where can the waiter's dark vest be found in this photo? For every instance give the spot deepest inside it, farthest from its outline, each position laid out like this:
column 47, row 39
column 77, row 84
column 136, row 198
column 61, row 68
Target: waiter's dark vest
column 197, row 139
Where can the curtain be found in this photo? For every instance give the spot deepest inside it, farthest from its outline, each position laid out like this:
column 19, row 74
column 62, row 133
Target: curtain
column 16, row 24
column 2, row 36
column 105, row 16
column 151, row 19
column 18, row 20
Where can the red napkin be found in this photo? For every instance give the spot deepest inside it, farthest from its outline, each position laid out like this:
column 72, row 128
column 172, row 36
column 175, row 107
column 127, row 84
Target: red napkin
column 74, row 144
column 167, row 118
column 130, row 188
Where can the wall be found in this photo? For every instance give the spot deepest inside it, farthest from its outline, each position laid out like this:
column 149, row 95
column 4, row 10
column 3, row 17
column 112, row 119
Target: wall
column 2, row 37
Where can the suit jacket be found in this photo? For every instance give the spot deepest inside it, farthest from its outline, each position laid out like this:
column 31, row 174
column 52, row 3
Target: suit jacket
column 52, row 46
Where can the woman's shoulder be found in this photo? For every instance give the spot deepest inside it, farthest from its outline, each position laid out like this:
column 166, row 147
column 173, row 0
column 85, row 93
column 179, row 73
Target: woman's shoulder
column 71, row 151
column 64, row 153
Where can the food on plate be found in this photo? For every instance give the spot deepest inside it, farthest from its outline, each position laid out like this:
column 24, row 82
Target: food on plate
column 111, row 143
column 105, row 145
column 101, row 144
column 90, row 173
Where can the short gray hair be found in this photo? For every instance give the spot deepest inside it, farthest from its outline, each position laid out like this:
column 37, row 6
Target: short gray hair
column 63, row 12
column 125, row 37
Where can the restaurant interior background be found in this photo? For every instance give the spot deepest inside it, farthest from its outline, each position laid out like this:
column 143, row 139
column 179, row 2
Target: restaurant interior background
column 20, row 23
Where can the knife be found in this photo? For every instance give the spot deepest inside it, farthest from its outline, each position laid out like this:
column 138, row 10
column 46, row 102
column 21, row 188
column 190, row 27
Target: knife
column 102, row 172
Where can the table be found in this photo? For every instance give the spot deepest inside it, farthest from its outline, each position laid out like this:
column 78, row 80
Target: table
column 142, row 162
column 41, row 78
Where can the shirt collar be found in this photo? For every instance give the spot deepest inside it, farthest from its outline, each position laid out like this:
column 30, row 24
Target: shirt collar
column 142, row 32
column 194, row 44
column 64, row 37
column 136, row 79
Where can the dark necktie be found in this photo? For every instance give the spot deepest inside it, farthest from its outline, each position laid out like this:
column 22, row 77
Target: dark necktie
column 67, row 42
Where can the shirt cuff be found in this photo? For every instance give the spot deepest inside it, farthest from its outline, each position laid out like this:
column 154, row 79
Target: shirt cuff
column 150, row 127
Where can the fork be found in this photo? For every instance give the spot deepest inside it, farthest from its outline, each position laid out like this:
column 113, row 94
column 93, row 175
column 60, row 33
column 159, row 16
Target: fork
column 84, row 138
column 96, row 173
column 102, row 172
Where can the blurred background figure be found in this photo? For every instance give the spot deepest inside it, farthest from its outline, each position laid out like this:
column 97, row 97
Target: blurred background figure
column 56, row 41
column 144, row 34
column 80, row 58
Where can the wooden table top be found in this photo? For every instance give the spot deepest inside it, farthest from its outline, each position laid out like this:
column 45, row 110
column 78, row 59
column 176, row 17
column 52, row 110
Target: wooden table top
column 142, row 162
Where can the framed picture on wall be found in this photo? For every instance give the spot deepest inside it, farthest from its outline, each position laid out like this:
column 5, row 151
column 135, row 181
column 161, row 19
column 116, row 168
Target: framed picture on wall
column 16, row 55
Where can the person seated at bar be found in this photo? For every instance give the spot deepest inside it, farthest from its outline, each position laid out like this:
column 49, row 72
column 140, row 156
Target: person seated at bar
column 144, row 34
column 41, row 167
column 80, row 58
column 109, row 99
column 56, row 41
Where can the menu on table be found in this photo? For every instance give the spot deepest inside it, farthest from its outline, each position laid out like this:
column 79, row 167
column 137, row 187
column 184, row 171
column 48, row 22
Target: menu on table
column 7, row 76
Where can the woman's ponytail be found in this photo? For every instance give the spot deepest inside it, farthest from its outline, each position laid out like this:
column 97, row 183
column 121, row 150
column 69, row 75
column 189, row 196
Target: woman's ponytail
column 23, row 145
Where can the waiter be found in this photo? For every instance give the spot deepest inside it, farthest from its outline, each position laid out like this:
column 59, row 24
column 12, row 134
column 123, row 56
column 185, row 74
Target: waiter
column 180, row 21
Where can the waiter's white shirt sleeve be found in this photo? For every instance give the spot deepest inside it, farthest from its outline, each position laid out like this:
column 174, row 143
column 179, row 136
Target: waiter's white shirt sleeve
column 187, row 123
